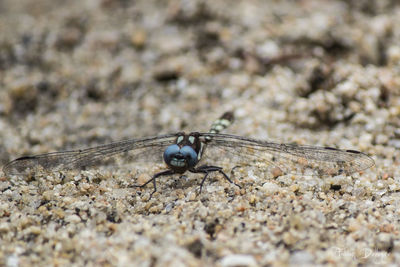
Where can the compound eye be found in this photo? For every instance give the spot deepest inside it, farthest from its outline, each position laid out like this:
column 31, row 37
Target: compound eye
column 170, row 152
column 190, row 156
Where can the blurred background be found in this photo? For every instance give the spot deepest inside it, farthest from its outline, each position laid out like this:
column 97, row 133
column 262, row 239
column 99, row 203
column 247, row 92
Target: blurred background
column 82, row 72
column 75, row 74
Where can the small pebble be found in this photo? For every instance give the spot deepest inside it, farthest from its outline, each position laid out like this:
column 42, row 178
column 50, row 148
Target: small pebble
column 237, row 260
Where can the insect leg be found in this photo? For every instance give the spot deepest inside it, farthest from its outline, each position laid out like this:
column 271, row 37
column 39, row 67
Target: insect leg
column 207, row 169
column 153, row 179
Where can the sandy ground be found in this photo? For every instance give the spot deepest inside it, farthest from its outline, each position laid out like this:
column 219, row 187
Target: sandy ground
column 82, row 73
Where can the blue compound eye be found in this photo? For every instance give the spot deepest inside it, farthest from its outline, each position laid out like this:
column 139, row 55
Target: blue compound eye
column 170, row 152
column 190, row 156
column 184, row 157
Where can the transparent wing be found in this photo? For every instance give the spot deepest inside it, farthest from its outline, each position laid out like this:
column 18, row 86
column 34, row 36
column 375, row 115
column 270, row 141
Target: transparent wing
column 76, row 159
column 288, row 158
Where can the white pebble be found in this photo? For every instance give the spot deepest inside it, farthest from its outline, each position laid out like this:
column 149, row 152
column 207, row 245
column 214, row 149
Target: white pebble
column 73, row 219
column 301, row 258
column 270, row 188
column 238, row 260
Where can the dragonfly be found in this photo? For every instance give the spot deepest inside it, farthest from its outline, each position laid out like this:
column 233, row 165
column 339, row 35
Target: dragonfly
column 182, row 152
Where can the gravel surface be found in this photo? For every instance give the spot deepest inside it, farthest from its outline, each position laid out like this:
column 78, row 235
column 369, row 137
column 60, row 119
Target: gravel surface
column 75, row 74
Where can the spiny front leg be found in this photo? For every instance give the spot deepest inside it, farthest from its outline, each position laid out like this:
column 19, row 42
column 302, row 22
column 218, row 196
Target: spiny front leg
column 206, row 170
column 153, row 179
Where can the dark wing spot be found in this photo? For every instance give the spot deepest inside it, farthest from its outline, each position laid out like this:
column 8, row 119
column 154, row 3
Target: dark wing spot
column 24, row 158
column 330, row 148
column 353, row 151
